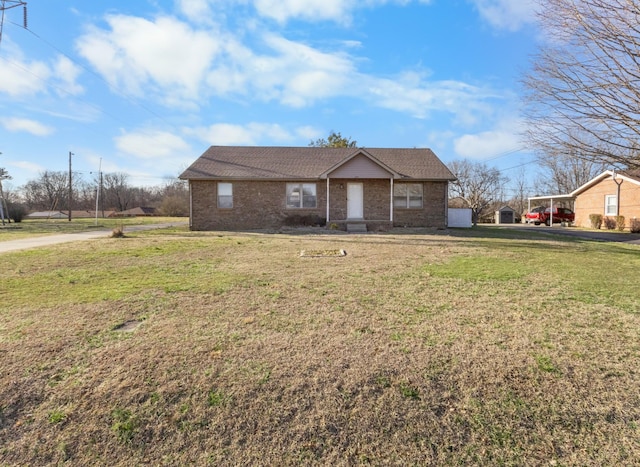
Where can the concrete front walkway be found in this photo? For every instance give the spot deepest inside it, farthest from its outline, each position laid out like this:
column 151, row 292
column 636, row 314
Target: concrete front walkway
column 35, row 242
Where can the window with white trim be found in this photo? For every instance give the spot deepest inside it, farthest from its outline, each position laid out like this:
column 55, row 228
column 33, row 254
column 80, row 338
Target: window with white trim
column 225, row 195
column 301, row 195
column 407, row 195
column 610, row 205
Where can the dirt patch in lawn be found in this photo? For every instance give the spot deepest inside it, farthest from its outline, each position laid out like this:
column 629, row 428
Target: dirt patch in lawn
column 128, row 326
column 323, row 253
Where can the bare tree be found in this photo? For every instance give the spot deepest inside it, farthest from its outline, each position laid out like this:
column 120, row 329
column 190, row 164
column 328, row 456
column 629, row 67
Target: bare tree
column 477, row 185
column 521, row 190
column 583, row 91
column 562, row 173
column 118, row 194
column 49, row 191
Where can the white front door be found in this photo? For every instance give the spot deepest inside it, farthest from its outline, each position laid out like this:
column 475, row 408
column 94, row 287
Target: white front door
column 355, row 201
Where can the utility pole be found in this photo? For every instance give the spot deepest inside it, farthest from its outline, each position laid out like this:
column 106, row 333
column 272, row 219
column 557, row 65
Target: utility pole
column 7, row 5
column 70, row 186
column 98, row 189
column 4, row 209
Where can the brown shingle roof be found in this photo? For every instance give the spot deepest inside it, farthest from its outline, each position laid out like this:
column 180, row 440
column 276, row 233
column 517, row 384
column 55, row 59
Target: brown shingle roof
column 293, row 163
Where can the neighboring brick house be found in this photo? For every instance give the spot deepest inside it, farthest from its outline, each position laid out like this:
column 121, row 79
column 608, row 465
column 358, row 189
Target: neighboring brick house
column 600, row 196
column 238, row 188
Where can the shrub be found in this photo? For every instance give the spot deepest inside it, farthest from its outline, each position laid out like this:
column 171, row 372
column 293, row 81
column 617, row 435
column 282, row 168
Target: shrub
column 596, row 220
column 174, row 206
column 118, row 232
column 297, row 220
column 17, row 212
column 634, row 225
column 609, row 223
column 620, row 223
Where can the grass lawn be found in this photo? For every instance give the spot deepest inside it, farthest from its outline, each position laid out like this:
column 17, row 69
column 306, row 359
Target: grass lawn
column 483, row 347
column 40, row 227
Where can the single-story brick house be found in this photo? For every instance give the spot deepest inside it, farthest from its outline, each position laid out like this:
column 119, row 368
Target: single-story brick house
column 605, row 195
column 238, row 188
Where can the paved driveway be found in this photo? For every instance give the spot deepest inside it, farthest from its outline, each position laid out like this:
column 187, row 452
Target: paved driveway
column 35, row 242
column 601, row 235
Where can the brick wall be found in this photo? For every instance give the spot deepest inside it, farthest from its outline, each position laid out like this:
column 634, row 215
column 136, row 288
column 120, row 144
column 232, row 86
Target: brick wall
column 376, row 199
column 434, row 209
column 592, row 201
column 256, row 205
column 262, row 205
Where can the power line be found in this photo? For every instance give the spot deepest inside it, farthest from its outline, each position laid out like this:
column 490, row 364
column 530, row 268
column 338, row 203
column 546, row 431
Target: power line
column 111, row 87
column 506, row 153
column 95, row 107
column 9, row 4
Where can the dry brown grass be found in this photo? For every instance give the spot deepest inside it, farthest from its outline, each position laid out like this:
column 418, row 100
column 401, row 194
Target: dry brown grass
column 394, row 354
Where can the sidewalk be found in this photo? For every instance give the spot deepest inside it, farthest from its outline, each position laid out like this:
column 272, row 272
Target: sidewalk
column 35, row 242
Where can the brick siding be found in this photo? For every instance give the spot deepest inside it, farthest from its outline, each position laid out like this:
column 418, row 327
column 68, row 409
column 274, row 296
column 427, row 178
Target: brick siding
column 592, row 201
column 262, row 205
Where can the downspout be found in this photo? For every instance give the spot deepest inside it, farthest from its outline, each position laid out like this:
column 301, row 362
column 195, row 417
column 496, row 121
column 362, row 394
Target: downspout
column 327, row 200
column 446, row 205
column 190, row 205
column 391, row 204
column 551, row 214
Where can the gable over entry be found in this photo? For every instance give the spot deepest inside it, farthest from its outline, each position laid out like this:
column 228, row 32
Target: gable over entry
column 360, row 165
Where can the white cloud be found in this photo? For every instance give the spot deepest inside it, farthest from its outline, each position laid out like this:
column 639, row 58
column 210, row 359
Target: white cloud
column 506, row 14
column 315, row 10
column 67, row 73
column 20, row 77
column 309, row 133
column 185, row 66
column 15, row 124
column 28, row 166
column 226, row 134
column 153, row 145
column 292, row 73
column 137, row 54
column 305, row 74
column 195, row 10
column 412, row 93
column 339, row 11
column 490, row 143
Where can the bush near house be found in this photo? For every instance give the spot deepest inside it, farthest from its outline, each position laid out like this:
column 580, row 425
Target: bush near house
column 609, row 223
column 595, row 220
column 619, row 223
column 634, row 225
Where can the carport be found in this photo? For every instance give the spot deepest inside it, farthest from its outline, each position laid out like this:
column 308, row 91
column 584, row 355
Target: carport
column 551, row 199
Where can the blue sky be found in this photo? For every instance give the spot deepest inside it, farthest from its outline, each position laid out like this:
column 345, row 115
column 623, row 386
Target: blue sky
column 145, row 87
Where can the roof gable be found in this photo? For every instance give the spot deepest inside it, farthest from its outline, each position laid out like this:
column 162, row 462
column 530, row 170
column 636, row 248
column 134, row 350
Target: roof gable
column 360, row 164
column 299, row 163
column 631, row 176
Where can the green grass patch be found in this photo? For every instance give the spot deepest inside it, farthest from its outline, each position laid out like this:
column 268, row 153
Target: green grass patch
column 115, row 270
column 42, row 227
column 481, row 268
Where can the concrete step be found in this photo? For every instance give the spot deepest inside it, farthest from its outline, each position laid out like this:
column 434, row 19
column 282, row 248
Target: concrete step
column 357, row 228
